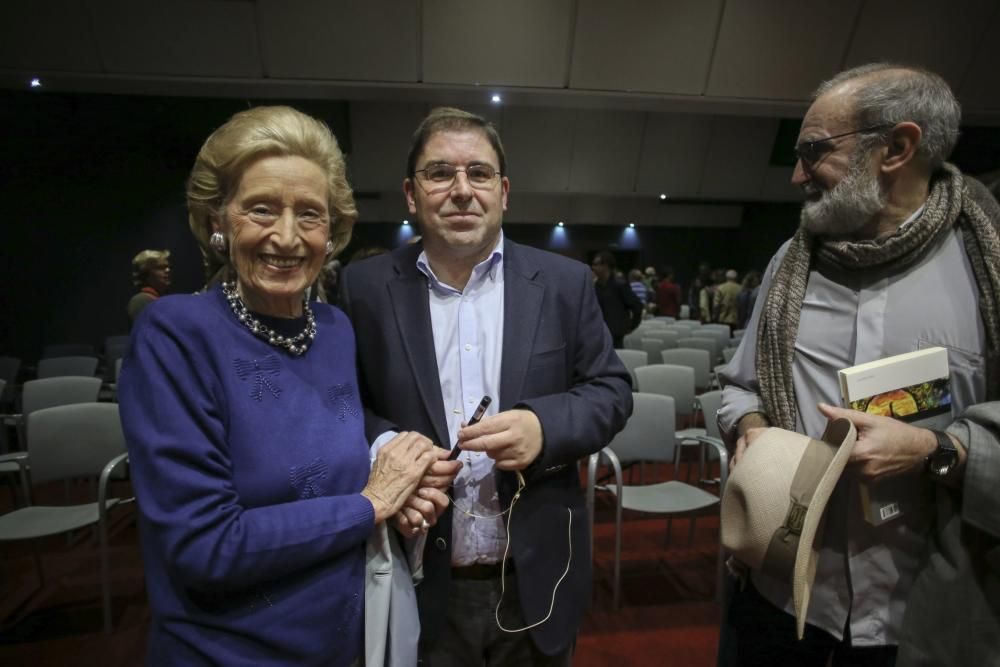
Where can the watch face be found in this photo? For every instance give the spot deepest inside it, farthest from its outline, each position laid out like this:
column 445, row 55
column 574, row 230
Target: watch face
column 942, row 461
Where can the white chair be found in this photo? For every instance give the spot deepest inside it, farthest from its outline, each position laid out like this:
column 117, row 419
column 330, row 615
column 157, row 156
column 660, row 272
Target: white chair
column 648, row 436
column 653, row 346
column 669, row 335
column 60, row 366
column 632, row 360
column 70, row 442
column 632, row 341
column 709, row 404
column 685, row 312
column 711, row 345
column 699, row 360
column 678, row 383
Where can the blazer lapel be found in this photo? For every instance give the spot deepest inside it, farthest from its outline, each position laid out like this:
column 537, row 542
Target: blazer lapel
column 522, row 302
column 411, row 307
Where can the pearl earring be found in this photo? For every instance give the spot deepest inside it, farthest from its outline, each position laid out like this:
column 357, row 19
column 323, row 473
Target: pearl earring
column 329, row 247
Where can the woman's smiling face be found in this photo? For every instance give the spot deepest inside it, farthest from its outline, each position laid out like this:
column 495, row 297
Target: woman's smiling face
column 277, row 224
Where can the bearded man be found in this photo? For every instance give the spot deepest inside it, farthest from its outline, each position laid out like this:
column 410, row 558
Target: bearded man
column 896, row 251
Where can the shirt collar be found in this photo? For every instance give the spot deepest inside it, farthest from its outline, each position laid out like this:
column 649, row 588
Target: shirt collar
column 486, row 269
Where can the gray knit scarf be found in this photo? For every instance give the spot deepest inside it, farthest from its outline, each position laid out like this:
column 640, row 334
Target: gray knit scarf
column 953, row 200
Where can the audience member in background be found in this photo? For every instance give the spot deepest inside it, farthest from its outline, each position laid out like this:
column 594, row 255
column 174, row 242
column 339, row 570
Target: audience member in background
column 694, row 297
column 896, row 251
column 151, row 274
column 620, row 307
column 468, row 313
column 638, row 285
column 650, row 278
column 747, row 297
column 366, row 252
column 243, row 418
column 706, row 298
column 724, row 303
column 668, row 294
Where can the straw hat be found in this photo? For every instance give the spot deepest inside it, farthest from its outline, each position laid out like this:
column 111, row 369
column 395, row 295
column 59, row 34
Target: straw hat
column 774, row 500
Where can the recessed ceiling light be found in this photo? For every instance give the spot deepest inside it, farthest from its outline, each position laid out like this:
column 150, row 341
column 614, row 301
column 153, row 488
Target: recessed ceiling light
column 631, row 225
column 36, row 83
column 560, row 223
column 663, row 195
column 495, row 99
column 406, row 222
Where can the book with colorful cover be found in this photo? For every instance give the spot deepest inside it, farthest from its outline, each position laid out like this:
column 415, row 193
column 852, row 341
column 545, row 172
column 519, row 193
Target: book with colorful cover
column 913, row 387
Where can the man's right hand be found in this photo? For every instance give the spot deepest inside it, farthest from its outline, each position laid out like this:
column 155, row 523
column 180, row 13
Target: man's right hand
column 750, row 426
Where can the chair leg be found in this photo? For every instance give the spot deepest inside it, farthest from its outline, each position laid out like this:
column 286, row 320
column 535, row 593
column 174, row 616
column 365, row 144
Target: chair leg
column 105, row 574
column 616, row 597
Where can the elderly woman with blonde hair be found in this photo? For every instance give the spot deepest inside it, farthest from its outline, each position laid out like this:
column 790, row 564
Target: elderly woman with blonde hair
column 151, row 274
column 244, row 424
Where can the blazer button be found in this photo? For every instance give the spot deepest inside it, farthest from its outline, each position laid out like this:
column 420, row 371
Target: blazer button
column 440, row 544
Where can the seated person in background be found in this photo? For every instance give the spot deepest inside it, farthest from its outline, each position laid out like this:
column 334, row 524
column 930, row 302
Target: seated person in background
column 151, row 274
column 244, row 424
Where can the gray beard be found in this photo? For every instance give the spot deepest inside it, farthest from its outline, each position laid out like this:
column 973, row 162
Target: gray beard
column 848, row 207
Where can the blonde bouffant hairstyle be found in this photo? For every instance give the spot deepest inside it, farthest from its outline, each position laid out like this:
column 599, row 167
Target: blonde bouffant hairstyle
column 143, row 263
column 248, row 136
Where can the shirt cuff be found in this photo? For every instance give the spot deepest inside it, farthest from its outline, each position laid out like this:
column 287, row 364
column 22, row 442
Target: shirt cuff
column 736, row 403
column 379, row 443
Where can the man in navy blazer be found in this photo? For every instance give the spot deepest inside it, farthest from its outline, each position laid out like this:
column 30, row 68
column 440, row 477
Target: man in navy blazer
column 468, row 313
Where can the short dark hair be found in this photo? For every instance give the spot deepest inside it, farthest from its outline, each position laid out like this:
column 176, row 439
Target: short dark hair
column 606, row 258
column 449, row 119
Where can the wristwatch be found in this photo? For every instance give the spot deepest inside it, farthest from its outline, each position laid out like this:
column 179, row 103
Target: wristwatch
column 942, row 460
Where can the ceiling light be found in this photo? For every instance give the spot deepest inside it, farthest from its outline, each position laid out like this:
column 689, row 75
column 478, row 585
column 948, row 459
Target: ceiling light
column 663, row 196
column 36, row 83
column 406, row 222
column 631, row 225
column 495, row 99
column 560, row 224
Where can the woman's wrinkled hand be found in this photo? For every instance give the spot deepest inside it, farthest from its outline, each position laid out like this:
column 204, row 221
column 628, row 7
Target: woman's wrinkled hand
column 398, row 468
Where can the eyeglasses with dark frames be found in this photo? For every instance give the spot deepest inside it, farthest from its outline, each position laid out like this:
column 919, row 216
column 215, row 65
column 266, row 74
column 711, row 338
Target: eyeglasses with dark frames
column 811, row 152
column 439, row 177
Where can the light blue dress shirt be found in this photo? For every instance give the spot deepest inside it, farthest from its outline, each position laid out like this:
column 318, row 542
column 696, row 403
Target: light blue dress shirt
column 468, row 343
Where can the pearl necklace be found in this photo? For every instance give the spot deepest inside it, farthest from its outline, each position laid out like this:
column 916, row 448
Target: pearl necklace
column 296, row 345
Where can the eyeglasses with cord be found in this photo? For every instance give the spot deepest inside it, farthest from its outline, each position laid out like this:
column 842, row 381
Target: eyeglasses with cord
column 811, row 152
column 440, row 177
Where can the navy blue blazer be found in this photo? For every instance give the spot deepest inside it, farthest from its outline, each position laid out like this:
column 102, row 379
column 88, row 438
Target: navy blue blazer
column 558, row 362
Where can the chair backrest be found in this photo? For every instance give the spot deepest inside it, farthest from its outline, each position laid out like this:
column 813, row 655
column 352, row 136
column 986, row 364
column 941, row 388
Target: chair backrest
column 118, row 370
column 649, row 433
column 68, row 350
column 710, row 403
column 59, row 366
column 632, row 360
column 669, row 380
column 652, row 323
column 685, row 312
column 699, row 360
column 709, row 344
column 112, row 353
column 51, row 392
column 665, row 318
column 713, row 331
column 653, row 346
column 9, row 368
column 685, row 324
column 728, row 353
column 669, row 335
column 73, row 440
column 633, row 341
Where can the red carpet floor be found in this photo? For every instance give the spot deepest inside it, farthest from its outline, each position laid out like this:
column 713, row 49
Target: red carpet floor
column 668, row 613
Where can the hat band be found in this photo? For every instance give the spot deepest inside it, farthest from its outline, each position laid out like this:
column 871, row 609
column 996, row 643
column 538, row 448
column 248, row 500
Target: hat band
column 779, row 560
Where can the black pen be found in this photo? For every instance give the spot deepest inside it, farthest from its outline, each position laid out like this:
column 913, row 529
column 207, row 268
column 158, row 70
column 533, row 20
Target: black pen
column 476, row 416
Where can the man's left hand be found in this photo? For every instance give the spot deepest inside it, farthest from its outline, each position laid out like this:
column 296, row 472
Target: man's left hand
column 512, row 438
column 885, row 446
